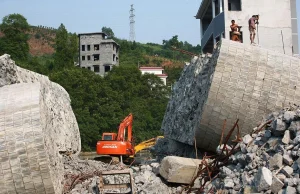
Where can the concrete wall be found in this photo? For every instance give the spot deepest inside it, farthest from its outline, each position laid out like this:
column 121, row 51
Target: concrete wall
column 107, row 49
column 275, row 15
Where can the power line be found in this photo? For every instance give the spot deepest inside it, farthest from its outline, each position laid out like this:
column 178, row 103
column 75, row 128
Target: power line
column 132, row 23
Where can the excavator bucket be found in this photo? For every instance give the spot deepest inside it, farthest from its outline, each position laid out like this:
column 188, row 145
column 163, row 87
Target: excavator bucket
column 105, row 187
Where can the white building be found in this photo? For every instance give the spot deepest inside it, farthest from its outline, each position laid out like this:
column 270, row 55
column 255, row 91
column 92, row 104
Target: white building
column 277, row 29
column 158, row 71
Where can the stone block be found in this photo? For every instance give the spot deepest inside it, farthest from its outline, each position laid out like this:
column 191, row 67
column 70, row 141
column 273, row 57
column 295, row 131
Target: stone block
column 263, row 179
column 178, row 170
column 276, row 184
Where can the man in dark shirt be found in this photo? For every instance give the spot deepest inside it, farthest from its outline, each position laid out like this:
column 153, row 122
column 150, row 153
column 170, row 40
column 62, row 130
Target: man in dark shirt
column 252, row 21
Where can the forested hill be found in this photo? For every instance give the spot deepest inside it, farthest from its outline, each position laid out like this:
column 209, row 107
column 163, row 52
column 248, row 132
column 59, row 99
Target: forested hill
column 99, row 103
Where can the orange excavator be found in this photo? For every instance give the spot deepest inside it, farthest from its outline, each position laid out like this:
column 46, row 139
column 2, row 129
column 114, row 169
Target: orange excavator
column 117, row 145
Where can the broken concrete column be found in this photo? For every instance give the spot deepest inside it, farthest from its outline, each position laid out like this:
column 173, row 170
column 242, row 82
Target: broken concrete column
column 36, row 125
column 178, row 169
column 230, row 84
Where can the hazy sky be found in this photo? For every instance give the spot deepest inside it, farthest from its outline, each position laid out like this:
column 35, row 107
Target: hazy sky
column 155, row 19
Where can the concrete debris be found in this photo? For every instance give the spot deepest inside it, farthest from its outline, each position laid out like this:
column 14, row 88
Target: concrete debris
column 273, row 167
column 179, row 170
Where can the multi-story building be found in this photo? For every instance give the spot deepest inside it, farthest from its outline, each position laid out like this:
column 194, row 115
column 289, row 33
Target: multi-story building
column 158, row 71
column 97, row 53
column 277, row 29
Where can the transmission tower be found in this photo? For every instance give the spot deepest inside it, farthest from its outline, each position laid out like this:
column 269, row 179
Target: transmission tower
column 132, row 22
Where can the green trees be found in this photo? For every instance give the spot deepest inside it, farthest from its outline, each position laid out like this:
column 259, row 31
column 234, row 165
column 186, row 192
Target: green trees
column 15, row 26
column 100, row 104
column 66, row 46
column 108, row 31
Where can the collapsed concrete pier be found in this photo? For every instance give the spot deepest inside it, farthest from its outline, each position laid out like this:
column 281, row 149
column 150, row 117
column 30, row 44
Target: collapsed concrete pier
column 237, row 81
column 37, row 125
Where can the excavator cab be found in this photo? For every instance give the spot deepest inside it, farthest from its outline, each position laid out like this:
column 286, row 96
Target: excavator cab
column 109, row 136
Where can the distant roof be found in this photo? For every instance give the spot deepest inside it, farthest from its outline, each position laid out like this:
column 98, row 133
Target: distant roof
column 161, row 75
column 159, row 68
column 202, row 8
column 109, row 41
column 93, row 33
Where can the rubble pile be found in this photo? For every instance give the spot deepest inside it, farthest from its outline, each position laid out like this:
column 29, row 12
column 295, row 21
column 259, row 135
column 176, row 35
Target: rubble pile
column 83, row 177
column 268, row 161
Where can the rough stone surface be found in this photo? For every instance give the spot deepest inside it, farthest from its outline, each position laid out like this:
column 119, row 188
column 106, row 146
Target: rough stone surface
column 286, row 138
column 178, row 170
column 275, row 161
column 287, row 170
column 36, row 125
column 263, row 179
column 211, row 90
column 276, row 185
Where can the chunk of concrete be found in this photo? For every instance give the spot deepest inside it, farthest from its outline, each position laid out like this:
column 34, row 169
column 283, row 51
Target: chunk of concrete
column 178, row 169
column 276, row 184
column 275, row 161
column 287, row 171
column 287, row 159
column 263, row 179
column 247, row 139
column 286, row 138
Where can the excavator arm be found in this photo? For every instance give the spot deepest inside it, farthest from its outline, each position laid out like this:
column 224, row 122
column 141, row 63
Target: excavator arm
column 126, row 123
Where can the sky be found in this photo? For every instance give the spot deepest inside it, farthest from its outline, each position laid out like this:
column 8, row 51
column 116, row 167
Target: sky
column 155, row 20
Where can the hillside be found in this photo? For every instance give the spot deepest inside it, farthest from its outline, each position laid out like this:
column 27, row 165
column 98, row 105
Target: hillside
column 42, row 39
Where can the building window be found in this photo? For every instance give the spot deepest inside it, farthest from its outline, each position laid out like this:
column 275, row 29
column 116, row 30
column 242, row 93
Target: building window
column 96, row 57
column 83, row 47
column 106, row 68
column 234, row 5
column 117, row 59
column 96, row 47
column 96, row 68
column 114, row 57
column 89, row 68
column 83, row 58
column 88, row 47
column 113, row 47
column 88, row 57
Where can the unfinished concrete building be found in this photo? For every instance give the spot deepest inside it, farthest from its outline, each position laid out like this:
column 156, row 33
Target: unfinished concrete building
column 97, row 53
column 277, row 29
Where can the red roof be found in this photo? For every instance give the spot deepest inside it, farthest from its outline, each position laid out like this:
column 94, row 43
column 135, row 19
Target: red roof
column 151, row 68
column 161, row 75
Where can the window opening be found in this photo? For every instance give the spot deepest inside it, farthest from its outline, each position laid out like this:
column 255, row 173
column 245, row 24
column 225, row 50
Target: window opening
column 106, row 68
column 96, row 68
column 88, row 57
column 83, row 58
column 96, row 57
column 83, row 47
column 234, row 5
column 88, row 47
column 96, row 47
